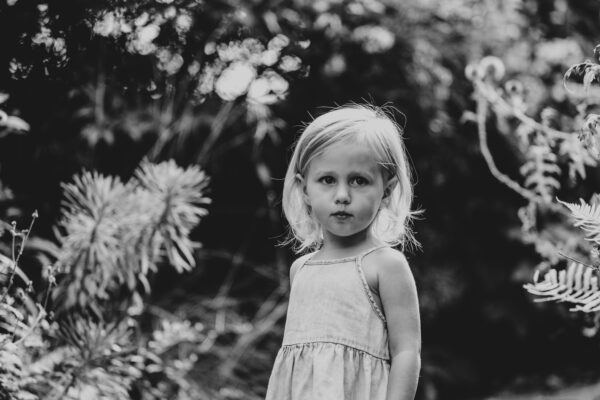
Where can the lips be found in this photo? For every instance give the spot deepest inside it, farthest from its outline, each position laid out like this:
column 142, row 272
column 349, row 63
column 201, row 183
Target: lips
column 341, row 214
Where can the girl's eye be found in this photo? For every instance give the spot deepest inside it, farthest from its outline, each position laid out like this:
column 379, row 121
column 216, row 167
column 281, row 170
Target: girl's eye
column 359, row 180
column 328, row 180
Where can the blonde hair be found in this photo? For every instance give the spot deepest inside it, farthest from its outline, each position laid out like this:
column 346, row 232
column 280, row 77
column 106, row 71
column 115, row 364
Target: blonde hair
column 360, row 123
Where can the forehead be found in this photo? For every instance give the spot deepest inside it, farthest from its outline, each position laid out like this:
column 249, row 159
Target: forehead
column 345, row 156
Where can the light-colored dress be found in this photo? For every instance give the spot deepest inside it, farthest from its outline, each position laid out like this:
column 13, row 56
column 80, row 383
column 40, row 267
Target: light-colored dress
column 335, row 342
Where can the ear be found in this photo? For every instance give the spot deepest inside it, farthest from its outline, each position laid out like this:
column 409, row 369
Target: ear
column 390, row 186
column 302, row 183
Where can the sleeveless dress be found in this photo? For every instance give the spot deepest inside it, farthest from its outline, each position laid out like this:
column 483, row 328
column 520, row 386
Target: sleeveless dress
column 335, row 343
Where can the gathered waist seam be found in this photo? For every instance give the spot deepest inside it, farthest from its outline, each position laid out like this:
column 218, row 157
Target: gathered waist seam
column 363, row 350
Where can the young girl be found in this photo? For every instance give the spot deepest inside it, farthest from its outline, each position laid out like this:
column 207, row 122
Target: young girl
column 352, row 330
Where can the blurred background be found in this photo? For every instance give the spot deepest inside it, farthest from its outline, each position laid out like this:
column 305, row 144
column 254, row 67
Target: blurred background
column 198, row 103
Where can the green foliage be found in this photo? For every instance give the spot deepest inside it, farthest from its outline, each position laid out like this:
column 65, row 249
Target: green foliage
column 96, row 360
column 114, row 234
column 22, row 321
column 540, row 171
column 10, row 123
column 171, row 56
column 576, row 284
column 586, row 216
column 548, row 148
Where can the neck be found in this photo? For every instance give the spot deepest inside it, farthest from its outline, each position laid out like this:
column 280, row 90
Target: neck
column 339, row 247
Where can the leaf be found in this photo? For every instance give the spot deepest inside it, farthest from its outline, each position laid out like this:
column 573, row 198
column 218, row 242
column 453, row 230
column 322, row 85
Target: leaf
column 8, row 267
column 577, row 284
column 577, row 72
column 587, row 217
column 15, row 123
column 578, row 157
column 540, row 170
column 591, row 73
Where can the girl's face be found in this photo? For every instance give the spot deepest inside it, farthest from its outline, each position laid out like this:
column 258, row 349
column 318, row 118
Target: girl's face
column 344, row 186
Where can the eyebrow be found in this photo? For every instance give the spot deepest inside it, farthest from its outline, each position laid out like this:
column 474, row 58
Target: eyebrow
column 328, row 172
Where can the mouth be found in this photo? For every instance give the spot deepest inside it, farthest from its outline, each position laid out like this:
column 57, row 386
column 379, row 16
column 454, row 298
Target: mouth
column 341, row 214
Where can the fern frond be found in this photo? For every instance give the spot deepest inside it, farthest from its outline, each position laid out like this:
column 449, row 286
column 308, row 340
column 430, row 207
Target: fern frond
column 587, row 217
column 540, row 171
column 577, row 284
column 578, row 157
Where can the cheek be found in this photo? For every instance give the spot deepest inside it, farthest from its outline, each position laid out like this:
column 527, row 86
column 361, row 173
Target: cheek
column 312, row 197
column 373, row 201
column 317, row 202
column 374, row 196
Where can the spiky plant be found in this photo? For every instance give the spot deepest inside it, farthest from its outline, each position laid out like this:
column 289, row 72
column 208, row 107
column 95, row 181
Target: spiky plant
column 114, row 234
column 97, row 360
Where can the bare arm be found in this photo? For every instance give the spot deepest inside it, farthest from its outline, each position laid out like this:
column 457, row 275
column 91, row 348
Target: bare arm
column 399, row 299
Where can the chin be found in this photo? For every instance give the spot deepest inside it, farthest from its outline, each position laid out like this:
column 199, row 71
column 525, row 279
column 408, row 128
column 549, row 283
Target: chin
column 346, row 233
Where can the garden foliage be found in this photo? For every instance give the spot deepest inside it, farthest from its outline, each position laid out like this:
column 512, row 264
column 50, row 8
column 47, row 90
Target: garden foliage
column 80, row 336
column 110, row 240
column 555, row 153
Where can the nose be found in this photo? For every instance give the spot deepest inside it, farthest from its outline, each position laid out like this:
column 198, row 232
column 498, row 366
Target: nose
column 342, row 195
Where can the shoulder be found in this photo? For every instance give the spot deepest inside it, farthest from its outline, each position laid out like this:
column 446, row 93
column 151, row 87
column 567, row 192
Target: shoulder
column 389, row 259
column 297, row 263
column 392, row 266
column 396, row 285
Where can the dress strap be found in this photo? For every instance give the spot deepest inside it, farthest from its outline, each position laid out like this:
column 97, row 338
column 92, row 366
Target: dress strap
column 357, row 257
column 372, row 249
column 365, row 285
column 303, row 259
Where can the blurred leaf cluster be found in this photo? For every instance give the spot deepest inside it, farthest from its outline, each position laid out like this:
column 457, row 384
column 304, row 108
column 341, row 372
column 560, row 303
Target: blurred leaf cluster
column 547, row 114
column 557, row 150
column 111, row 238
column 112, row 235
column 93, row 347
